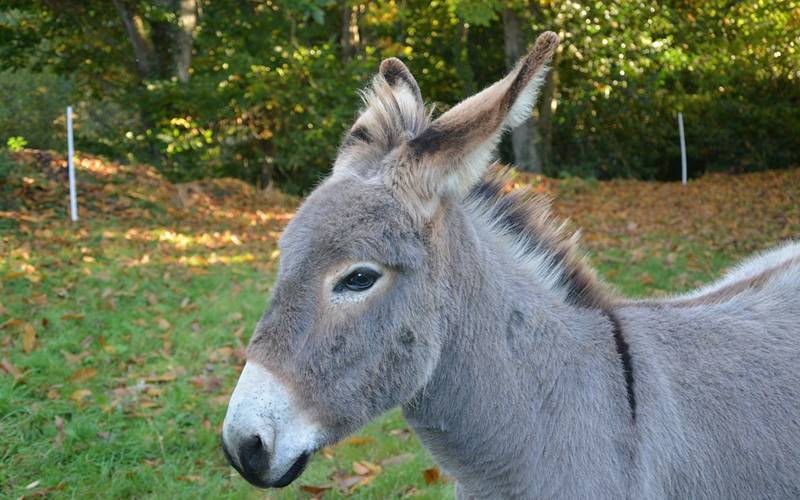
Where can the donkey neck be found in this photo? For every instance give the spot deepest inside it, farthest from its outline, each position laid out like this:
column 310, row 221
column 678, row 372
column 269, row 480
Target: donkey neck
column 529, row 391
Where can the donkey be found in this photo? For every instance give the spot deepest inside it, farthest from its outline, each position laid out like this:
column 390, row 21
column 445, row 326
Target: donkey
column 411, row 278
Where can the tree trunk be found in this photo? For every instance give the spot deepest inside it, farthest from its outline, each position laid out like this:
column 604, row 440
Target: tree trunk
column 546, row 108
column 142, row 47
column 461, row 57
column 349, row 37
column 184, row 40
column 525, row 138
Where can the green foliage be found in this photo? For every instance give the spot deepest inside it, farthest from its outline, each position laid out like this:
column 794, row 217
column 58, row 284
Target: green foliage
column 272, row 87
column 34, row 107
column 16, row 143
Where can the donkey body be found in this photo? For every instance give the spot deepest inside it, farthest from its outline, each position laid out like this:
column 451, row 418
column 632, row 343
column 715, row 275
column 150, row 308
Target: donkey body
column 406, row 281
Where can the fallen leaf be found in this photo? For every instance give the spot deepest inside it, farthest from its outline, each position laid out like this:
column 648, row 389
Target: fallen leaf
column 164, row 377
column 81, row 395
column 59, row 423
column 360, row 469
column 403, row 434
column 12, row 323
column 10, row 369
column 74, row 358
column 349, row 483
column 191, row 479
column 359, row 440
column 431, row 475
column 397, row 459
column 72, row 315
column 28, row 337
column 410, row 491
column 83, row 374
column 371, row 468
column 314, row 490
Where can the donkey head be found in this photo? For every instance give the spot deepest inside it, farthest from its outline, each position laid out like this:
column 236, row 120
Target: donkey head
column 355, row 324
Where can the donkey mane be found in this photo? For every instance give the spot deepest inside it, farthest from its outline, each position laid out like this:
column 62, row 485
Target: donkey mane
column 539, row 239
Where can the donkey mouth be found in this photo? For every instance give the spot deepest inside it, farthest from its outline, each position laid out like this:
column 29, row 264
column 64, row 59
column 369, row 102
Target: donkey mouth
column 293, row 473
column 286, row 479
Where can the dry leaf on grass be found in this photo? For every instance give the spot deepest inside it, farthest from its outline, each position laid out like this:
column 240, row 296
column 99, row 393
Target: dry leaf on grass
column 81, row 395
column 359, row 440
column 59, row 423
column 403, row 434
column 314, row 490
column 164, row 377
column 12, row 323
column 190, row 479
column 83, row 374
column 432, row 475
column 28, row 337
column 10, row 369
column 349, row 483
column 397, row 459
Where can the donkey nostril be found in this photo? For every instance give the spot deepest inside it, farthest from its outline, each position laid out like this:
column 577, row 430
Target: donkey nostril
column 254, row 457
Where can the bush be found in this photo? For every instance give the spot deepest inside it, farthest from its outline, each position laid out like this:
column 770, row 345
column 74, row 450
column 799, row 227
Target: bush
column 34, row 107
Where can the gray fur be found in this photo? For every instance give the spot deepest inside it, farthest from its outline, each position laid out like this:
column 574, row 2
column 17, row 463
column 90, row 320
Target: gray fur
column 517, row 391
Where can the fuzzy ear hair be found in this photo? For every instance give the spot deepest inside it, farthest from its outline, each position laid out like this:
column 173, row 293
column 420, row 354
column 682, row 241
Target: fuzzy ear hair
column 455, row 151
column 393, row 112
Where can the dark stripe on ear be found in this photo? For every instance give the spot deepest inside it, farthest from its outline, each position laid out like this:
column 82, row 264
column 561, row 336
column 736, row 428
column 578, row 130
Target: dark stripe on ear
column 358, row 134
column 625, row 356
column 431, row 139
column 440, row 137
column 361, row 134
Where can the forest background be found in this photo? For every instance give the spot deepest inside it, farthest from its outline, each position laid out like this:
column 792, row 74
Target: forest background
column 264, row 90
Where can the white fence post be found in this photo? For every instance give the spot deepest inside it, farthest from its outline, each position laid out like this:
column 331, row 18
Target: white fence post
column 73, row 197
column 683, row 148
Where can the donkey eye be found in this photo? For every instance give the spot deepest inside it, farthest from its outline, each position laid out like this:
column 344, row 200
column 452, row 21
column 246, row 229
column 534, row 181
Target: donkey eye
column 357, row 281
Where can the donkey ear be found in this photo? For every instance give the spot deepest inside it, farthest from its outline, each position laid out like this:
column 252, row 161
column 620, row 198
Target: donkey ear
column 454, row 152
column 393, row 112
column 400, row 79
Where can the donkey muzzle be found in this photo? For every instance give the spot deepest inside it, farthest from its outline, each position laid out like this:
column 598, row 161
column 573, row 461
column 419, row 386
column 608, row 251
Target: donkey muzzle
column 264, row 437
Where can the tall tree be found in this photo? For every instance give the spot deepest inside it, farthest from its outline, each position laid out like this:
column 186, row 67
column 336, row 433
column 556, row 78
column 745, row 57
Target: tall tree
column 350, row 35
column 184, row 38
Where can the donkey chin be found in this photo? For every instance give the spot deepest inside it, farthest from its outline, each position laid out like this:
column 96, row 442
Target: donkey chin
column 264, row 437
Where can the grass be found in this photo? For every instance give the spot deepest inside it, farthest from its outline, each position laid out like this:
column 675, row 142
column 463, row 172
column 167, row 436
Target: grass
column 121, row 337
